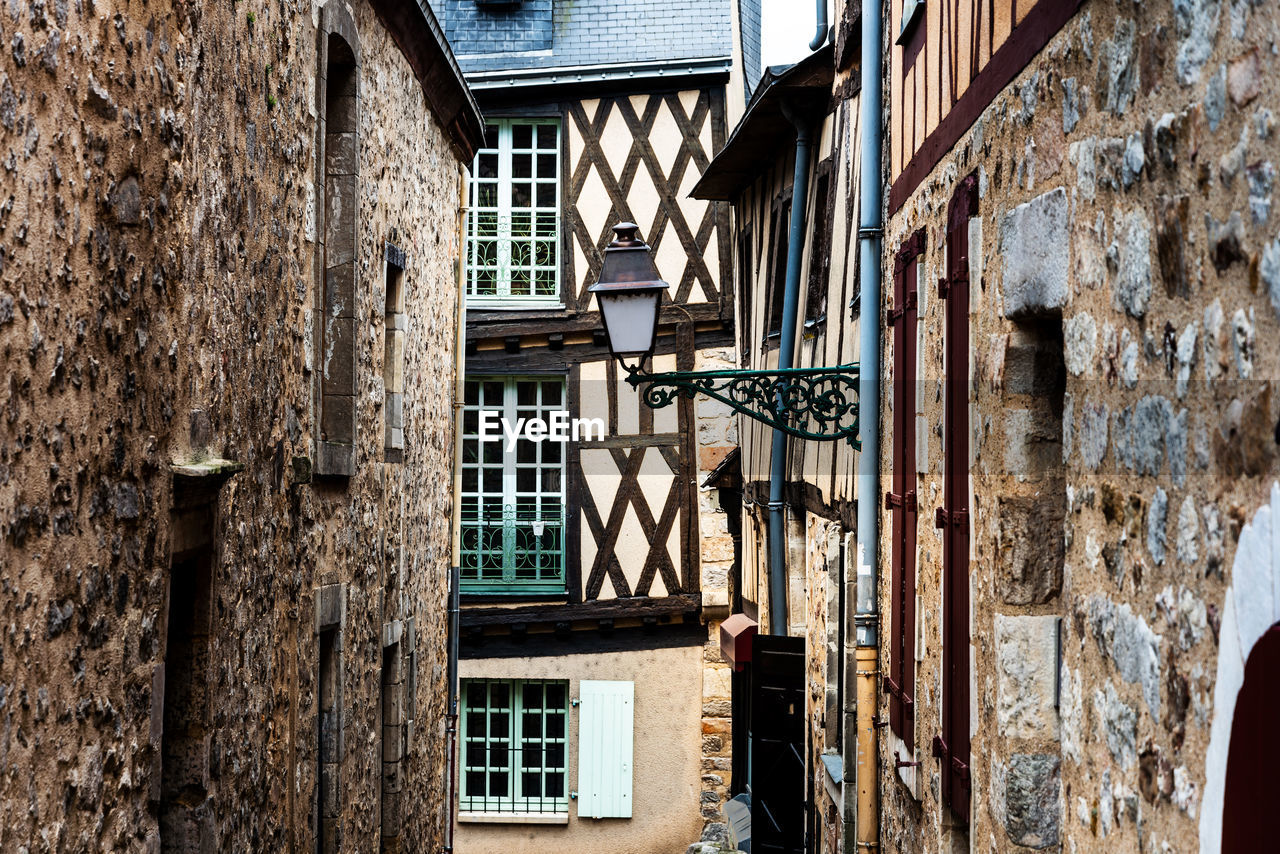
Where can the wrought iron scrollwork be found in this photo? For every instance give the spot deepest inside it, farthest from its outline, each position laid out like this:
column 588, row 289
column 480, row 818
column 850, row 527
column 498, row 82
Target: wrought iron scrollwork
column 808, row 403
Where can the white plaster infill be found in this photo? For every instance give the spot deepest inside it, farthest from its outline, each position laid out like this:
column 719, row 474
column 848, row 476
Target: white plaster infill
column 1252, row 606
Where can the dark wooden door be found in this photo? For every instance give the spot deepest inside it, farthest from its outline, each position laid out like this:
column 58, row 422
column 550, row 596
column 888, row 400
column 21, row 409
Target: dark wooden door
column 777, row 745
column 1253, row 763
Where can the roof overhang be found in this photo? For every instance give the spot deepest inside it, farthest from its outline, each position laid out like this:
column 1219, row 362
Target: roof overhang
column 673, row 70
column 415, row 30
column 764, row 129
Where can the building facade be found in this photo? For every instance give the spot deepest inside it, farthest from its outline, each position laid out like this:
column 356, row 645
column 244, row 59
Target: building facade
column 1078, row 464
column 229, row 316
column 801, row 643
column 1079, row 201
column 595, row 568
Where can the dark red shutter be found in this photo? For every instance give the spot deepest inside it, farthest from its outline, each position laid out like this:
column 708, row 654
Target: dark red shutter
column 901, row 500
column 952, row 745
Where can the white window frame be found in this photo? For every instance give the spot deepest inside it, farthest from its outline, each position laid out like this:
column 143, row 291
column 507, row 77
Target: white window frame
column 511, row 801
column 505, row 219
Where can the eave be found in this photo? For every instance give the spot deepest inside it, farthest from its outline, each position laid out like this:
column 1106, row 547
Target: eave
column 415, row 30
column 764, row 130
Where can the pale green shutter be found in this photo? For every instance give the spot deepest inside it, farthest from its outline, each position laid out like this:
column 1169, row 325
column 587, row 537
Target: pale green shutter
column 605, row 749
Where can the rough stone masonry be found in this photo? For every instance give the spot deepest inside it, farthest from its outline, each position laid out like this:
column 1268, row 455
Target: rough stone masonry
column 1125, row 341
column 158, row 273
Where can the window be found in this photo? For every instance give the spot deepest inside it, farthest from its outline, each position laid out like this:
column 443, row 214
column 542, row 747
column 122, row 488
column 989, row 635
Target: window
column 184, row 778
column 815, row 304
column 513, row 230
column 515, row 745
column 512, row 494
column 396, row 324
column 339, row 279
column 778, row 280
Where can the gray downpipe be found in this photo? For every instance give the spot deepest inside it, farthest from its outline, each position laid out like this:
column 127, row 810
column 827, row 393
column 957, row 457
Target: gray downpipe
column 870, row 232
column 820, row 35
column 778, row 622
column 866, row 654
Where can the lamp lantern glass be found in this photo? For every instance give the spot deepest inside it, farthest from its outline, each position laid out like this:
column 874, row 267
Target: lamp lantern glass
column 629, row 292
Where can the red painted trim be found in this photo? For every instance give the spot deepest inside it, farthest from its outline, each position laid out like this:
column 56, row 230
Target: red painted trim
column 1023, row 43
column 902, row 503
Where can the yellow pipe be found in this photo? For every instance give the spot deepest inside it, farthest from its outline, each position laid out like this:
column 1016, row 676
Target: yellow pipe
column 867, row 828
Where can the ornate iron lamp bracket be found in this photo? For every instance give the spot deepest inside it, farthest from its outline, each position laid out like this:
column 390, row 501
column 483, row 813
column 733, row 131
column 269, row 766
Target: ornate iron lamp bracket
column 808, row 403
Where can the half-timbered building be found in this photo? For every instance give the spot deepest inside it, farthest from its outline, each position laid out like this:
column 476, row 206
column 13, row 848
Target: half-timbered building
column 595, row 564
column 798, row 612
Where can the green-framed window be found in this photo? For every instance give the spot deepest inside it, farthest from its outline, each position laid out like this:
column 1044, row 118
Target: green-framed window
column 515, row 746
column 512, row 496
column 513, row 228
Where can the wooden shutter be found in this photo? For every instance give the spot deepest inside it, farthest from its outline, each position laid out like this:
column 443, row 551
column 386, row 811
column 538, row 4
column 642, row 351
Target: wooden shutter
column 605, row 742
column 952, row 745
column 901, row 500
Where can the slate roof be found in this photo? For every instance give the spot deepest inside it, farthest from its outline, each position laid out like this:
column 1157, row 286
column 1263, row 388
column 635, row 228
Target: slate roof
column 558, row 34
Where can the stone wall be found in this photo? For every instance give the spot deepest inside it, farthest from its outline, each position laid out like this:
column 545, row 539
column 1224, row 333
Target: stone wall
column 158, row 276
column 717, row 437
column 1124, row 242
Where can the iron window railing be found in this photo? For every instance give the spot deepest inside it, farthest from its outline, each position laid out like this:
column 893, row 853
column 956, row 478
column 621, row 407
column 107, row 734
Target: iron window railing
column 515, row 746
column 512, row 550
column 513, row 226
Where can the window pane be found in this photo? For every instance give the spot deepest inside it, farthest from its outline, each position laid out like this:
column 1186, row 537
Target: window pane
column 546, row 195
column 547, row 135
column 522, row 136
column 546, row 166
column 487, row 195
column 487, row 166
column 500, row 695
column 521, row 195
column 491, row 136
column 551, row 452
column 493, row 393
column 522, row 166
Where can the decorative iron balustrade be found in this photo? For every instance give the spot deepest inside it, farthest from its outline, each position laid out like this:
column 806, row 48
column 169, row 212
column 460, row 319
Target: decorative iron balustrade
column 514, row 256
column 512, row 549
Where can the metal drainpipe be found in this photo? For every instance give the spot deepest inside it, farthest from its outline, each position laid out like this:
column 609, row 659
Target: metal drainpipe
column 459, row 397
column 866, row 617
column 820, row 35
column 778, row 622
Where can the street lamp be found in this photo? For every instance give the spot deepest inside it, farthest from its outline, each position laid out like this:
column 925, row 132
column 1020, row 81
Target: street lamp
column 629, row 292
column 808, row 403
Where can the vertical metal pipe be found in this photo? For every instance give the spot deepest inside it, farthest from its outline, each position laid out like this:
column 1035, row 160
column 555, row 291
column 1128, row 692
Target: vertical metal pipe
column 778, row 619
column 869, row 238
column 820, row 35
column 459, row 399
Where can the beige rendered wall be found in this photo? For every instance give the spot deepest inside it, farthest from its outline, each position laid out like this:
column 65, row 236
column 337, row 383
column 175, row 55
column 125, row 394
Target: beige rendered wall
column 668, row 752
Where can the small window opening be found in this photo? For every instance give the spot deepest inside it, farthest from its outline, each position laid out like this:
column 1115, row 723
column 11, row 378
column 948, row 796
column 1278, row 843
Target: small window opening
column 815, row 304
column 393, row 747
column 393, row 363
column 328, row 792
column 778, row 281
column 186, row 820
